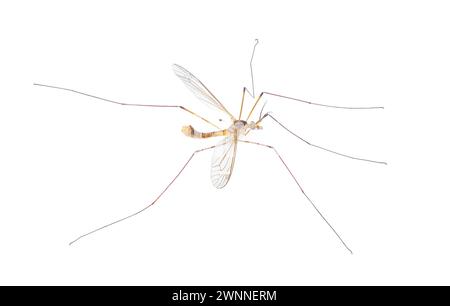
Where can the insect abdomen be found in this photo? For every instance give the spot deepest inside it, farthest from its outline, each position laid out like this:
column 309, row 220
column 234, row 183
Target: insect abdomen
column 189, row 131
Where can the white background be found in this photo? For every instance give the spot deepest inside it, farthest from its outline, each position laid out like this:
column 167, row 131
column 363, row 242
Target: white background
column 69, row 163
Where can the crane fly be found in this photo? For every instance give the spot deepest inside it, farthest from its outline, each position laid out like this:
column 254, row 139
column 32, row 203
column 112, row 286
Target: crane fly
column 224, row 152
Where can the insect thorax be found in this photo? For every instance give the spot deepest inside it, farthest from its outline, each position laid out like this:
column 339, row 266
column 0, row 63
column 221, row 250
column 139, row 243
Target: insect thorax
column 241, row 127
column 237, row 126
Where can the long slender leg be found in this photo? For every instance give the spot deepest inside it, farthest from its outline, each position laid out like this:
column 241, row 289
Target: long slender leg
column 242, row 102
column 301, row 189
column 130, row 104
column 254, row 106
column 243, row 99
column 146, row 207
column 317, row 146
column 251, row 67
column 248, row 92
column 252, row 94
column 307, row 102
column 325, row 105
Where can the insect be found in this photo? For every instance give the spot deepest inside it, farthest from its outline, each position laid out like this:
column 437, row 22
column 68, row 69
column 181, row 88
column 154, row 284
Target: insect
column 224, row 152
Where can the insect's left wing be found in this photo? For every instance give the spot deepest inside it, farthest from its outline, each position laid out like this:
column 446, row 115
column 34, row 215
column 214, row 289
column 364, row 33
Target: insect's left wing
column 199, row 89
column 222, row 162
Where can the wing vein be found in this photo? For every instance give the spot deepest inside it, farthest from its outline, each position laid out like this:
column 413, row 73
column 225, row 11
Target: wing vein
column 199, row 89
column 223, row 159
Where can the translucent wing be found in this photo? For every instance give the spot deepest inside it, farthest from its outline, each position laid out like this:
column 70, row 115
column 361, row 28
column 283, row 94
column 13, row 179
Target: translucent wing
column 199, row 90
column 223, row 161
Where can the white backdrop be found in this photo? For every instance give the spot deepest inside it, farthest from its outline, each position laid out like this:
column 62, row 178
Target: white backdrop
column 69, row 163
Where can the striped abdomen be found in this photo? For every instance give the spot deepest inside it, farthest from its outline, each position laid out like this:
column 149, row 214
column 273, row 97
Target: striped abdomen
column 189, row 131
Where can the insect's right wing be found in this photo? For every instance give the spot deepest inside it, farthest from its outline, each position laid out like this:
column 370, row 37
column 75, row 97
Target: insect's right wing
column 222, row 162
column 199, row 89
